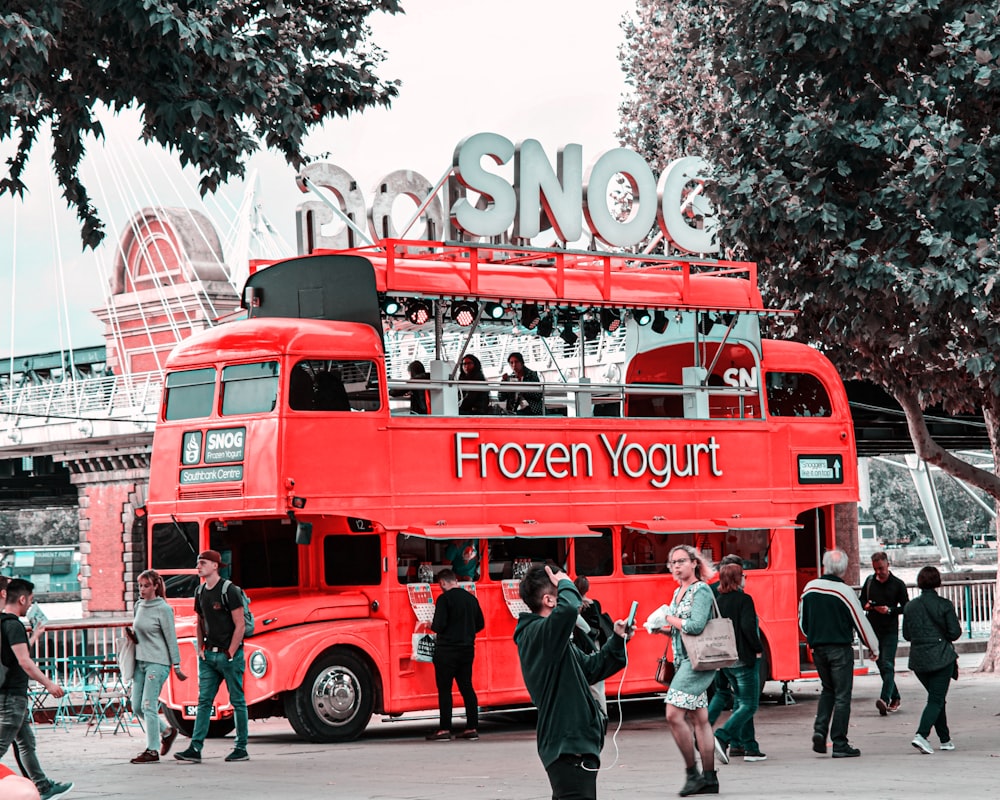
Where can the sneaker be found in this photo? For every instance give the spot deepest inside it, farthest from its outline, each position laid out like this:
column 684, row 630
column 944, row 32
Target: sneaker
column 758, row 756
column 819, row 743
column 721, row 750
column 882, row 706
column 167, row 740
column 438, row 736
column 949, row 745
column 471, row 734
column 736, row 752
column 894, row 705
column 146, row 757
column 190, row 754
column 922, row 745
column 846, row 752
column 56, row 790
column 238, row 754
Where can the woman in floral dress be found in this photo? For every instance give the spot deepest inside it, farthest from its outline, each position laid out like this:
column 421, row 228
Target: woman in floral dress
column 687, row 697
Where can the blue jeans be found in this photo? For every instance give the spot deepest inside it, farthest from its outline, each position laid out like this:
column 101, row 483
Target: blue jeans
column 888, row 642
column 738, row 730
column 213, row 669
column 835, row 665
column 15, row 726
column 934, row 715
column 146, row 684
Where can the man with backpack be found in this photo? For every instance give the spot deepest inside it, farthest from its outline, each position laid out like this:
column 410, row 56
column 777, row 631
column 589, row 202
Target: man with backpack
column 219, row 605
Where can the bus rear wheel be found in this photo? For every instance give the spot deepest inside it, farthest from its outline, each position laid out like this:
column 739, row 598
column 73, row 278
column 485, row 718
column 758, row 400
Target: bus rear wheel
column 216, row 728
column 335, row 701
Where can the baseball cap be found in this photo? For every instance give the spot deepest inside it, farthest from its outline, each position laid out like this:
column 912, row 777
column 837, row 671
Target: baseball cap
column 210, row 555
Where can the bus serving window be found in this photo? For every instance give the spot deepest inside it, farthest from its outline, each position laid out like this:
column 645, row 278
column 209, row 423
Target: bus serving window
column 331, row 385
column 461, row 555
column 595, row 556
column 352, row 560
column 796, row 394
column 504, row 552
column 189, row 394
column 249, row 388
column 753, row 546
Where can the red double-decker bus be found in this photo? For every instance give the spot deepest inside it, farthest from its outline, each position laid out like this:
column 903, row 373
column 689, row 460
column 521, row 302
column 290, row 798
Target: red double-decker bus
column 660, row 416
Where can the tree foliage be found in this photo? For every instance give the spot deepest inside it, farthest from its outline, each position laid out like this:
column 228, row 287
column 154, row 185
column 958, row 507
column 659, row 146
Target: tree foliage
column 858, row 156
column 213, row 79
column 858, row 164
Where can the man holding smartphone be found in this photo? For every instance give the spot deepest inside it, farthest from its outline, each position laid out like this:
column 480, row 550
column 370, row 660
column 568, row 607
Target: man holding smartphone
column 883, row 597
column 558, row 676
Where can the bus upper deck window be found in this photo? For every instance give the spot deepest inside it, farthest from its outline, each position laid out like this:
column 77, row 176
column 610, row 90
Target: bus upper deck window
column 334, row 385
column 249, row 388
column 797, row 394
column 189, row 394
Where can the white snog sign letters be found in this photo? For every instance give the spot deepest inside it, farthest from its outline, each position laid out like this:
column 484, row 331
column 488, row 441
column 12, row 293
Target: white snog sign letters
column 567, row 195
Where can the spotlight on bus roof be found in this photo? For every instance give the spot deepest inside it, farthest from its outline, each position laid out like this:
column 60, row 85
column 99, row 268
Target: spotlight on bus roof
column 611, row 319
column 529, row 316
column 418, row 311
column 391, row 306
column 568, row 335
column 659, row 322
column 494, row 310
column 642, row 316
column 545, row 326
column 464, row 312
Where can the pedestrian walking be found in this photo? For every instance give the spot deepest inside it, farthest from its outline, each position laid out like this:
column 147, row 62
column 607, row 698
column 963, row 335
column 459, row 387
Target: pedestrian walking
column 687, row 697
column 883, row 597
column 930, row 625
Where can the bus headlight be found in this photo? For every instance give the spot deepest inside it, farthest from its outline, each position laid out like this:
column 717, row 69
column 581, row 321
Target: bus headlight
column 258, row 663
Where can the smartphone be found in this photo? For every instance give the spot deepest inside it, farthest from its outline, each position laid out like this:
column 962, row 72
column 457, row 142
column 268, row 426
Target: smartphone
column 630, row 619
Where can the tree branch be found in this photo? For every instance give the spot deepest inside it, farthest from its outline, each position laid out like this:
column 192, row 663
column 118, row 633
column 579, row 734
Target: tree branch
column 931, row 452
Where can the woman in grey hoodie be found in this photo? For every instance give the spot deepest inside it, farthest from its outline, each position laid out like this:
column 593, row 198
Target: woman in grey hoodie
column 155, row 651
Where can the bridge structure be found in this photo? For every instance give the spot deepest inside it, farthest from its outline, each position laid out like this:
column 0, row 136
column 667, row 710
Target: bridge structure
column 82, row 420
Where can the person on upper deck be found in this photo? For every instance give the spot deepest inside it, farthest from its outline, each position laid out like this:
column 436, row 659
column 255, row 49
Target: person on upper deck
column 523, row 403
column 474, row 401
column 418, row 397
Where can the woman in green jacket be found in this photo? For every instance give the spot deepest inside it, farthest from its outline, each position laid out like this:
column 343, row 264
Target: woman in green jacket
column 930, row 624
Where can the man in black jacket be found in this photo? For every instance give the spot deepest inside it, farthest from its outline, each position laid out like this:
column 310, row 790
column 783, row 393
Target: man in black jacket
column 558, row 676
column 883, row 597
column 457, row 620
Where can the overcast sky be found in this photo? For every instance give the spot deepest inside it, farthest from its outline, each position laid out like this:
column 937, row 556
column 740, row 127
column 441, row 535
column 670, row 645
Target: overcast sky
column 538, row 69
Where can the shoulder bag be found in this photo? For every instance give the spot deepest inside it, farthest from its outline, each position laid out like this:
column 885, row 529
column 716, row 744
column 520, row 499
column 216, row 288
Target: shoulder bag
column 664, row 667
column 713, row 648
column 125, row 655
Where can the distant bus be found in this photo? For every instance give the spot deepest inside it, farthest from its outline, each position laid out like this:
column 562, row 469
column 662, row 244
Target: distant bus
column 279, row 445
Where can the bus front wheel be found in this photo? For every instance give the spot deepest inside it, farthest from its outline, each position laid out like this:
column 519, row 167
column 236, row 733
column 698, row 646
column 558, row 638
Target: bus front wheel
column 335, row 701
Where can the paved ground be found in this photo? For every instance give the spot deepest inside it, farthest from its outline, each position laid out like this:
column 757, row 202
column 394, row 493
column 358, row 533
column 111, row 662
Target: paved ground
column 393, row 762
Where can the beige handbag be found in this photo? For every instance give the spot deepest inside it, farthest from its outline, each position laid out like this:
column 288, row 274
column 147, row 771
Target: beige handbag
column 715, row 646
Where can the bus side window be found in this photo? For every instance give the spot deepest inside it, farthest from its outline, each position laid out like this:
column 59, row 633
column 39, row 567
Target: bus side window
column 797, row 394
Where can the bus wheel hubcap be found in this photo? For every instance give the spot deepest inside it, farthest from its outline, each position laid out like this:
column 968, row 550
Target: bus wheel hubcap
column 336, row 695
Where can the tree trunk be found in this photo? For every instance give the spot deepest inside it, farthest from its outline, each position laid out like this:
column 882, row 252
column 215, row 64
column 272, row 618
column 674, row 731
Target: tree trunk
column 991, row 661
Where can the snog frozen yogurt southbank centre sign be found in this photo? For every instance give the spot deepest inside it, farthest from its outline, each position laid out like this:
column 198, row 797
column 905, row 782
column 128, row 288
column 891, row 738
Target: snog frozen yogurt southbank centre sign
column 568, row 196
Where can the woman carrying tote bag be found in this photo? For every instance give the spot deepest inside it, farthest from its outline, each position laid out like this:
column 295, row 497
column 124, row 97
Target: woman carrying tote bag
column 687, row 697
column 930, row 624
column 156, row 649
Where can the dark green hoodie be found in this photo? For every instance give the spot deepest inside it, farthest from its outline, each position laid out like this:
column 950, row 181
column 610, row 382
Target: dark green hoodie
column 558, row 676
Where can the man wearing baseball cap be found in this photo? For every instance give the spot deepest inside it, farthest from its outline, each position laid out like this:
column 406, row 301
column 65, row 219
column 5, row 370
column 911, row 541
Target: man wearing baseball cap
column 220, row 656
